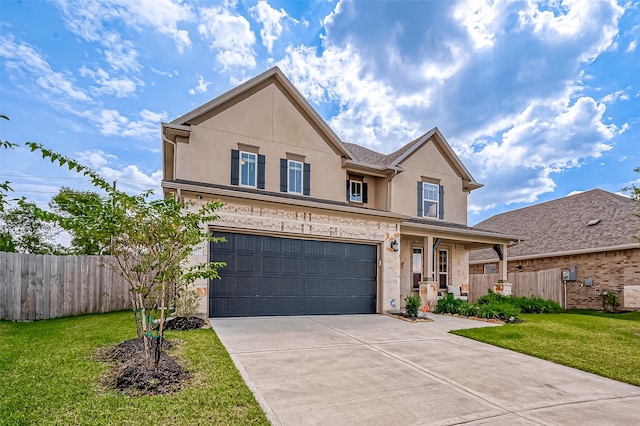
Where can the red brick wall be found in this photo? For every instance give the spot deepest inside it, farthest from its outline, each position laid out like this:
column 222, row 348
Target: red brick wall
column 608, row 270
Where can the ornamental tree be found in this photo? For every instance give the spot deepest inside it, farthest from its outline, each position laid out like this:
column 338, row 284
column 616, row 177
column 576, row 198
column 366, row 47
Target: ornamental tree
column 149, row 241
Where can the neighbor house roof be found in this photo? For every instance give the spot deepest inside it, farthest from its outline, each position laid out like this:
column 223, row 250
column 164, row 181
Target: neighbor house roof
column 587, row 222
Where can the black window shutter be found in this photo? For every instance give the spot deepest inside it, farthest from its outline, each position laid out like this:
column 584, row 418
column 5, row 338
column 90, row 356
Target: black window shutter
column 235, row 167
column 365, row 193
column 261, row 171
column 348, row 191
column 420, row 199
column 283, row 175
column 441, row 202
column 306, row 179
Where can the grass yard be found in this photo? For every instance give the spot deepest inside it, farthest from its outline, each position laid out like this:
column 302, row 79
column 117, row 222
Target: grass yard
column 600, row 343
column 48, row 376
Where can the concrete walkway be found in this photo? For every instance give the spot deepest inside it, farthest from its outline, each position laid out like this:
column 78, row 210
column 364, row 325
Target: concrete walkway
column 377, row 370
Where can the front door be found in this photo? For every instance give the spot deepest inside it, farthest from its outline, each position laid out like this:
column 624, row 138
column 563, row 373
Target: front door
column 416, row 267
column 443, row 268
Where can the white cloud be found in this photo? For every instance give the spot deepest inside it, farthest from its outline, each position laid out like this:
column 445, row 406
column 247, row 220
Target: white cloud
column 271, row 20
column 94, row 158
column 87, row 18
column 133, row 180
column 230, row 35
column 112, row 123
column 120, row 54
column 24, row 61
column 368, row 111
column 621, row 95
column 632, row 46
column 201, row 87
column 147, row 127
column 121, row 87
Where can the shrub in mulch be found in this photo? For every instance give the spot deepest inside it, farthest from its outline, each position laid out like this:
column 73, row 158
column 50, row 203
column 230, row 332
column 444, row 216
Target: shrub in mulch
column 185, row 323
column 129, row 373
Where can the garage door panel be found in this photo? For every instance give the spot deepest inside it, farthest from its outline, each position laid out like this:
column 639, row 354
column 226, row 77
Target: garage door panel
column 284, row 276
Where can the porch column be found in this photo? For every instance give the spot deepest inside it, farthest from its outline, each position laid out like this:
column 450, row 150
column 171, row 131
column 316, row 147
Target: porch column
column 502, row 263
column 427, row 254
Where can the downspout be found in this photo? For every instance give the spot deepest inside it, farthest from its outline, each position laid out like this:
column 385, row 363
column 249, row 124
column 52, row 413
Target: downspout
column 175, row 148
column 396, row 171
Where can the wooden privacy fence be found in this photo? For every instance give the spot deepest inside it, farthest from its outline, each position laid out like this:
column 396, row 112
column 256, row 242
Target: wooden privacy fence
column 34, row 287
column 546, row 284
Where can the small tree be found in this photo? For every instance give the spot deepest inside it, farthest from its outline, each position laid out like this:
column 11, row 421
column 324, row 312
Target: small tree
column 22, row 231
column 150, row 242
column 82, row 206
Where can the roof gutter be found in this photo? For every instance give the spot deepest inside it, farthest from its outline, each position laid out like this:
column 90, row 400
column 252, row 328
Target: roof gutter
column 629, row 246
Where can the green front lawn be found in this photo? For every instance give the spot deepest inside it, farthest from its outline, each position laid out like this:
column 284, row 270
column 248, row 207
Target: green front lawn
column 600, row 343
column 48, row 376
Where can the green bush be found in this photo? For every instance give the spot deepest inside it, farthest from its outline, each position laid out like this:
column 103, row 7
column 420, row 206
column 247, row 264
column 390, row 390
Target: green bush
column 498, row 310
column 448, row 305
column 467, row 310
column 527, row 305
column 411, row 304
column 491, row 297
column 536, row 305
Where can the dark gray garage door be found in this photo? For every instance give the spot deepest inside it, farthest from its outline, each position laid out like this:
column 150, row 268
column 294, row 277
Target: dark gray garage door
column 285, row 276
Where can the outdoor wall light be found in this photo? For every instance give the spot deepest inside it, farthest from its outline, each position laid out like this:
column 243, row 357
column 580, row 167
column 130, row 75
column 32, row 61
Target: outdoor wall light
column 394, row 245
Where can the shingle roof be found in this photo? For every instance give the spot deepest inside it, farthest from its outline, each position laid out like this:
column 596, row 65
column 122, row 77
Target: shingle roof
column 368, row 156
column 562, row 225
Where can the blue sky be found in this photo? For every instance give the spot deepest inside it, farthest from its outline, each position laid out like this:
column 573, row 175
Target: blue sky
column 539, row 99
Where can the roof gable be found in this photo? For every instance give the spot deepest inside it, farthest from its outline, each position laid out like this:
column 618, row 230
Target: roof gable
column 562, row 225
column 272, row 76
column 435, row 136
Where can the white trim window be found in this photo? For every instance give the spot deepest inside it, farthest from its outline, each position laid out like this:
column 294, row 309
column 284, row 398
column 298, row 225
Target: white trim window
column 430, row 200
column 248, row 169
column 355, row 191
column 295, row 177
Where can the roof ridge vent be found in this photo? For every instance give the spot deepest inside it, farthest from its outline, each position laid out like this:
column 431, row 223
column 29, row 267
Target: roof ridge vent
column 593, row 222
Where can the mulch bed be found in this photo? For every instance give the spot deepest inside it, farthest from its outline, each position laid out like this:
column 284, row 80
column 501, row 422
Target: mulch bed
column 403, row 316
column 185, row 323
column 129, row 373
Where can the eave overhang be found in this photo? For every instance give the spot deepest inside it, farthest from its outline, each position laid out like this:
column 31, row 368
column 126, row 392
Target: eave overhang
column 221, row 192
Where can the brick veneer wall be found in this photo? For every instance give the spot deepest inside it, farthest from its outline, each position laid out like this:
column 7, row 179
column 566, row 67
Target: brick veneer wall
column 610, row 270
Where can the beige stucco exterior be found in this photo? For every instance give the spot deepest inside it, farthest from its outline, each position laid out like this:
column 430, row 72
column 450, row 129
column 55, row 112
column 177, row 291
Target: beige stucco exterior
column 429, row 162
column 266, row 115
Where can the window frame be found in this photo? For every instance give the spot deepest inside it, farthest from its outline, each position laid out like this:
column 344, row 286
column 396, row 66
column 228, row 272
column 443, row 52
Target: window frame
column 255, row 169
column 300, row 164
column 351, row 193
column 425, row 187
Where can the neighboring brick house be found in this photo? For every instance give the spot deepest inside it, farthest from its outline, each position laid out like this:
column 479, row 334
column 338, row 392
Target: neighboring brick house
column 316, row 225
column 594, row 231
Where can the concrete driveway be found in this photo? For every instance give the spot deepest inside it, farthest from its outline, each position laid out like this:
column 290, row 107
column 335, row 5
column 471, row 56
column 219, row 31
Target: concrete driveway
column 373, row 369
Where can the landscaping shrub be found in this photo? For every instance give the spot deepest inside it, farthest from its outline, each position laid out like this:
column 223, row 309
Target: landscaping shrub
column 411, row 304
column 467, row 310
column 498, row 310
column 527, row 305
column 448, row 305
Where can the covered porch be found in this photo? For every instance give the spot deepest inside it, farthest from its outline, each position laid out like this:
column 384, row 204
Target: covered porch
column 434, row 258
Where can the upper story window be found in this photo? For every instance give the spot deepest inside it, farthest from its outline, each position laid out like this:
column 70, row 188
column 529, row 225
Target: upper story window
column 355, row 193
column 248, row 169
column 294, row 183
column 295, row 175
column 430, row 200
column 356, row 190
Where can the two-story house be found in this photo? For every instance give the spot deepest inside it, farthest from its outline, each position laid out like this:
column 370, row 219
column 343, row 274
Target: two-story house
column 315, row 225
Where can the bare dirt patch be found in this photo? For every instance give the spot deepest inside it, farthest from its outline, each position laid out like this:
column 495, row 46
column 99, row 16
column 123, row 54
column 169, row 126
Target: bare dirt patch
column 405, row 317
column 129, row 373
